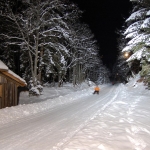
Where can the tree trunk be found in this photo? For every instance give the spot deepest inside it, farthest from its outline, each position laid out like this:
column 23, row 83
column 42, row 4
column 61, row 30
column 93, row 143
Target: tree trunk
column 74, row 76
column 40, row 67
column 36, row 52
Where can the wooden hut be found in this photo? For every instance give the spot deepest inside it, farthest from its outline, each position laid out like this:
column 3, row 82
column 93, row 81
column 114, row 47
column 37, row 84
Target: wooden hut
column 9, row 82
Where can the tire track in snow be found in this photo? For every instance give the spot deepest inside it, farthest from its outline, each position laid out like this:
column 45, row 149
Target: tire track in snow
column 65, row 141
column 37, row 130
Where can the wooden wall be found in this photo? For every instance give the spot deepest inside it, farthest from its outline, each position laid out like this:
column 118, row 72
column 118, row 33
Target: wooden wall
column 8, row 92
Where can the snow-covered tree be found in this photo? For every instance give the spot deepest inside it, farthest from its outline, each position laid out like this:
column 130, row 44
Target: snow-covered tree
column 138, row 36
column 8, row 29
column 121, row 71
column 52, row 43
column 103, row 75
column 83, row 52
column 41, row 29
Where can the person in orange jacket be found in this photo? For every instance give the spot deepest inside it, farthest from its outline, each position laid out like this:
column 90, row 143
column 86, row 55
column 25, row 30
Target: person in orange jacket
column 96, row 90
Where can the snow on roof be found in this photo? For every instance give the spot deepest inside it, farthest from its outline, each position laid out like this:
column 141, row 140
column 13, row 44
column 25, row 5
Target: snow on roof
column 16, row 76
column 3, row 67
column 6, row 71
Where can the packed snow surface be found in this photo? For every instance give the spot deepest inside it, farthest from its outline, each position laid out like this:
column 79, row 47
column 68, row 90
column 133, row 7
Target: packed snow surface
column 69, row 118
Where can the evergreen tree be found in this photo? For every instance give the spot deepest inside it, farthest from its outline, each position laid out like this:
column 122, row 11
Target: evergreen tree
column 138, row 36
column 121, row 70
column 103, row 75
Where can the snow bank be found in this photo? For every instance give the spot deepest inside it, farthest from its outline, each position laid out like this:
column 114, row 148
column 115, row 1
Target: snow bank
column 12, row 113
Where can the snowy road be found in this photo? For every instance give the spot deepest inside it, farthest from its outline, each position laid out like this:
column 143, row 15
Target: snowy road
column 53, row 128
column 116, row 119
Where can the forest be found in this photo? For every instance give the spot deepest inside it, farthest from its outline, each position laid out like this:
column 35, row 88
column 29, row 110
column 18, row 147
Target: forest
column 45, row 41
column 134, row 43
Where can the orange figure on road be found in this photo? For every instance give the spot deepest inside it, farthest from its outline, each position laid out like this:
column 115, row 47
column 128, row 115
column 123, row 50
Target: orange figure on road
column 96, row 90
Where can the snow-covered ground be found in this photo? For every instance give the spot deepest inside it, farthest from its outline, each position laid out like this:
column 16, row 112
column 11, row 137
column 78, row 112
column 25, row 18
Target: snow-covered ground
column 71, row 118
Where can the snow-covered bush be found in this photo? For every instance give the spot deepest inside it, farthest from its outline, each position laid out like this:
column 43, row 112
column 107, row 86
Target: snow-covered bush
column 35, row 90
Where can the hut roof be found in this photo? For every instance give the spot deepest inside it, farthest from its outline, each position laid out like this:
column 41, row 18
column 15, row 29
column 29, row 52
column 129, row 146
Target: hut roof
column 3, row 67
column 7, row 72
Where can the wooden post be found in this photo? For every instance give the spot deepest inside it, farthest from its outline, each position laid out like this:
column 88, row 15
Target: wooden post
column 16, row 95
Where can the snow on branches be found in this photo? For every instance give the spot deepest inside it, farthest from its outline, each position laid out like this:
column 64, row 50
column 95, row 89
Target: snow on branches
column 138, row 37
column 45, row 34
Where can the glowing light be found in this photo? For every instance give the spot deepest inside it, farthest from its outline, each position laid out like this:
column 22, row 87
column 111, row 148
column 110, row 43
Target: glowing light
column 126, row 54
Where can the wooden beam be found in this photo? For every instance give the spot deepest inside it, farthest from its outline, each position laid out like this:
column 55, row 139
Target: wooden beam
column 13, row 79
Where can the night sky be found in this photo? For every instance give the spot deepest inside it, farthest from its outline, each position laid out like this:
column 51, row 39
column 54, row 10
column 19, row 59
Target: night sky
column 105, row 17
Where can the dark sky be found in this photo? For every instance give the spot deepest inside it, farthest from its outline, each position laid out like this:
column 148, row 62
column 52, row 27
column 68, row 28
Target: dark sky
column 105, row 17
